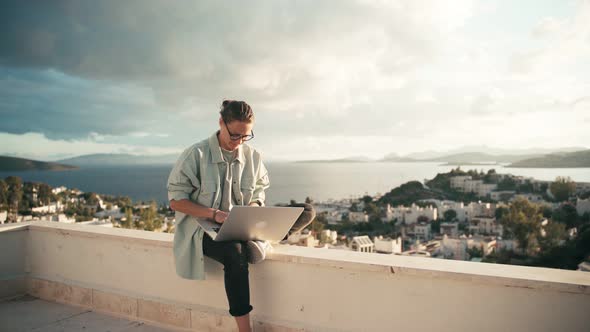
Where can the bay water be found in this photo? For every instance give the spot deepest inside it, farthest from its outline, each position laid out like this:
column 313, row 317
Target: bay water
column 289, row 180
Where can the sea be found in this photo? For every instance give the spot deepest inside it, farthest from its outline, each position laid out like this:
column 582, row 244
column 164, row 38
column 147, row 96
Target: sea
column 289, row 180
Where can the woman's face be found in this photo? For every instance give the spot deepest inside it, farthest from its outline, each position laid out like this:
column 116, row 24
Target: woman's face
column 234, row 128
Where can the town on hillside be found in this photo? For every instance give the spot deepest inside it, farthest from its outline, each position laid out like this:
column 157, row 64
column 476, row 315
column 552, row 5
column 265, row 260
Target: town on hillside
column 460, row 215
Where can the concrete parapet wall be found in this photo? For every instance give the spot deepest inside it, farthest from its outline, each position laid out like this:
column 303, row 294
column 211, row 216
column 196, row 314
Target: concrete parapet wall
column 131, row 273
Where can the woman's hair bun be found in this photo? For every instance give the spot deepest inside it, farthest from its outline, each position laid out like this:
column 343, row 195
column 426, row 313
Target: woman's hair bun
column 226, row 102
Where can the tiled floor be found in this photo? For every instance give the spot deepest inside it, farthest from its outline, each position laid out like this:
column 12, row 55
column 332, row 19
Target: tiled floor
column 28, row 313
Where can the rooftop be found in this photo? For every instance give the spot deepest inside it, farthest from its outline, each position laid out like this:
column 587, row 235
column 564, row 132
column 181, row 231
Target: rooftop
column 127, row 277
column 48, row 316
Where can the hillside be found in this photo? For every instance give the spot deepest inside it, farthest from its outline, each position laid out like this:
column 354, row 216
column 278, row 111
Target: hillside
column 9, row 164
column 120, row 159
column 409, row 193
column 557, row 160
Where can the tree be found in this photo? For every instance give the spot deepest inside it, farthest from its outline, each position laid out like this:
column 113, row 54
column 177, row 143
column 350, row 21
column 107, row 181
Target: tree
column 3, row 193
column 554, row 233
column 149, row 217
column 526, row 187
column 501, row 211
column 523, row 222
column 91, row 198
column 566, row 214
column 547, row 211
column 44, row 193
column 508, row 183
column 562, row 188
column 372, row 210
column 128, row 218
column 491, row 176
column 317, row 226
column 450, row 215
column 15, row 192
column 435, row 226
column 475, row 251
column 422, row 219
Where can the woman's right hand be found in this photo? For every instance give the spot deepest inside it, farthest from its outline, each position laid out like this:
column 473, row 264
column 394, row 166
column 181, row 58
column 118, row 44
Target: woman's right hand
column 220, row 216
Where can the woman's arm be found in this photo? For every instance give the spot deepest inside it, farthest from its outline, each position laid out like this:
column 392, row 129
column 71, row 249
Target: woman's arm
column 197, row 210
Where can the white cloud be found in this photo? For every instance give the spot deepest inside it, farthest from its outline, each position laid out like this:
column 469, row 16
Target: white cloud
column 565, row 42
column 27, row 146
column 322, row 78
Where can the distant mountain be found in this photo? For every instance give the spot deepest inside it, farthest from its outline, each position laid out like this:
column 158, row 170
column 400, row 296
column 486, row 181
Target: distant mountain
column 478, row 157
column 393, row 157
column 20, row 164
column 355, row 159
column 120, row 160
column 466, row 158
column 430, row 155
column 557, row 160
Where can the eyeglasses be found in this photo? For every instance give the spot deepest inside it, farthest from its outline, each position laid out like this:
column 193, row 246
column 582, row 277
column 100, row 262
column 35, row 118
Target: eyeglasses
column 236, row 137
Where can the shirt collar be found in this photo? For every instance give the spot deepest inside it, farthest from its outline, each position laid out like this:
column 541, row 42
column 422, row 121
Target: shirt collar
column 216, row 155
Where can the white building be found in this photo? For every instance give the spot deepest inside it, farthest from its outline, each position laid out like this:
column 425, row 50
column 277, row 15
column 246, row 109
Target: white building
column 388, row 246
column 423, row 231
column 483, row 225
column 410, row 215
column 582, row 187
column 416, row 253
column 458, row 207
column 328, row 236
column 303, row 240
column 62, row 218
column 114, row 212
column 504, row 195
column 583, row 206
column 414, row 212
column 358, row 217
column 466, row 184
column 479, row 209
column 453, row 248
column 59, row 190
column 458, row 181
column 393, row 214
column 51, row 208
column 333, row 217
column 450, row 229
column 101, row 223
column 362, row 244
column 534, row 198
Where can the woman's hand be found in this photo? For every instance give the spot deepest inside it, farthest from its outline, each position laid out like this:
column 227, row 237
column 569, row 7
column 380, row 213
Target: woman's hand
column 220, row 216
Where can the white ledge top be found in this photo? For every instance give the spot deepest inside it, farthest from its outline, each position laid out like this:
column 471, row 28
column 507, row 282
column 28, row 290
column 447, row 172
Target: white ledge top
column 507, row 275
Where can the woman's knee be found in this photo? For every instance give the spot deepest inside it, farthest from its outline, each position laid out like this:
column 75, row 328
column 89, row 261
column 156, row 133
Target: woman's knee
column 236, row 254
column 306, row 217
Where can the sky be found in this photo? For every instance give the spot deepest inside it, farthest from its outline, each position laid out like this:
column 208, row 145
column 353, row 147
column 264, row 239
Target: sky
column 325, row 79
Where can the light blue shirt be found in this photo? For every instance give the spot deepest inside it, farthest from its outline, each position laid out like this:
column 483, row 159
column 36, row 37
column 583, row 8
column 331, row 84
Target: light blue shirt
column 197, row 176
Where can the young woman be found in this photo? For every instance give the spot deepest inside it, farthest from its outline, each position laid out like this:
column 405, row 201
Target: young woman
column 208, row 179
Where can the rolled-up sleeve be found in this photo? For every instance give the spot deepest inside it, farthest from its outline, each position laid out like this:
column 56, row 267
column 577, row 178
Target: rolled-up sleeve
column 183, row 179
column 262, row 183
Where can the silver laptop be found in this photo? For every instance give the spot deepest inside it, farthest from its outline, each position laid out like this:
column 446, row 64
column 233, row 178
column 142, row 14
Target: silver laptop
column 253, row 223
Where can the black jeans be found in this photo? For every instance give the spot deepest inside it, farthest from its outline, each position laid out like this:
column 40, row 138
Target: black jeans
column 234, row 257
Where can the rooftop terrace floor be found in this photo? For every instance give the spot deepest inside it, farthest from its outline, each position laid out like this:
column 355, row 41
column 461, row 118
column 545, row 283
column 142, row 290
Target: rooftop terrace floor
column 28, row 313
